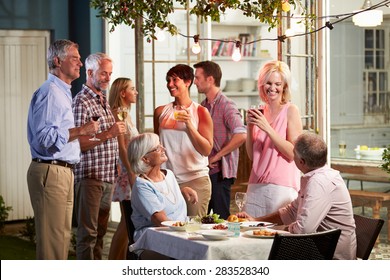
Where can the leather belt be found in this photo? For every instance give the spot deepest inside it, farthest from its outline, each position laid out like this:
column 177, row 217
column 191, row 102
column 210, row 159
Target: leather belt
column 55, row 162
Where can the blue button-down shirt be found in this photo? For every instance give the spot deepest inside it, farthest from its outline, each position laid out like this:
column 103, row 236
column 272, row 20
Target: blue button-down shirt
column 50, row 117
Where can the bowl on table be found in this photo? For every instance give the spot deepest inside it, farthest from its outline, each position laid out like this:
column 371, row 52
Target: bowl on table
column 371, row 152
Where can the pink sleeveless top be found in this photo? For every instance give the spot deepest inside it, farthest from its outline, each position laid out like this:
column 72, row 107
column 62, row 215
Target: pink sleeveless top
column 269, row 165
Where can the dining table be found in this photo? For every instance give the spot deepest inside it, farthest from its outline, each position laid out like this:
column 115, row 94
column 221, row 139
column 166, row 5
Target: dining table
column 182, row 246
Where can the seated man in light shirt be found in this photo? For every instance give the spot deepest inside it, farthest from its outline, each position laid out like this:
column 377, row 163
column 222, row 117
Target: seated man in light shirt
column 323, row 201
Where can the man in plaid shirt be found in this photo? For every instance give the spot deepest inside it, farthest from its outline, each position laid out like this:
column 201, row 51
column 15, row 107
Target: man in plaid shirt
column 95, row 174
column 229, row 135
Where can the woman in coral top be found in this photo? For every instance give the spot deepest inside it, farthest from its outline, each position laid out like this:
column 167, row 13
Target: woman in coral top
column 274, row 178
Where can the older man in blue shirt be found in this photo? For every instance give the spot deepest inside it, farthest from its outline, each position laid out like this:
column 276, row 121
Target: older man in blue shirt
column 54, row 148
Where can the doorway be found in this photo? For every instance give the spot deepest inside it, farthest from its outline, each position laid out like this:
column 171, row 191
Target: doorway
column 23, row 69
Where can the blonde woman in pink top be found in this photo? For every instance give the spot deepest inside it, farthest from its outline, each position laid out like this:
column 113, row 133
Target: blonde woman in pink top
column 274, row 178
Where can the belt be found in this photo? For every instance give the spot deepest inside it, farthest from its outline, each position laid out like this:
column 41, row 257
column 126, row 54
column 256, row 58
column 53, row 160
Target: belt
column 55, row 162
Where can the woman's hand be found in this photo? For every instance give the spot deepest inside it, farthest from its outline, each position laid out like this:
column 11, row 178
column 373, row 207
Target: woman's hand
column 245, row 215
column 189, row 195
column 254, row 117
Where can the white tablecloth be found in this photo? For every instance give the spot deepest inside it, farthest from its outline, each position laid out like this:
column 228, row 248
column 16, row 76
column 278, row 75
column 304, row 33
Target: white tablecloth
column 178, row 245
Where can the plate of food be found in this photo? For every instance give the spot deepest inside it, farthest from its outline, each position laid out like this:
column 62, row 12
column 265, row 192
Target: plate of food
column 263, row 233
column 255, row 224
column 213, row 226
column 175, row 225
column 215, row 234
column 235, row 219
column 211, row 219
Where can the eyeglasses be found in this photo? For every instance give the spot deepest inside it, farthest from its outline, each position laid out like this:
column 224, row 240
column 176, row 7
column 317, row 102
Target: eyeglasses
column 158, row 149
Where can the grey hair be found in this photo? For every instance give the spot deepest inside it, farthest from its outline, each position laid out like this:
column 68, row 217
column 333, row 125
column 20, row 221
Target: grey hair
column 59, row 48
column 94, row 60
column 312, row 149
column 138, row 147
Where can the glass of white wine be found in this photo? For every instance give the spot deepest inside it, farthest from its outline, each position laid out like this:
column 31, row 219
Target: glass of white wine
column 122, row 113
column 192, row 225
column 240, row 200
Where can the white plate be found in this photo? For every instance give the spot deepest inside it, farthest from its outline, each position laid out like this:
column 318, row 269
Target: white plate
column 215, row 234
column 249, row 233
column 175, row 228
column 377, row 153
column 254, row 224
column 210, row 226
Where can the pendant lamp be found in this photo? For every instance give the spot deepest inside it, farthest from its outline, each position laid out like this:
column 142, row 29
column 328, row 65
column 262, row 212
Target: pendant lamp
column 369, row 18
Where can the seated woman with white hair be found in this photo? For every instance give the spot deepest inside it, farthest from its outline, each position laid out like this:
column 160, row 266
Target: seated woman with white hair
column 156, row 196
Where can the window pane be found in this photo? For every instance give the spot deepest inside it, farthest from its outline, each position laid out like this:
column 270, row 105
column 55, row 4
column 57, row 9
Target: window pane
column 372, row 81
column 380, row 59
column 383, row 81
column 369, row 39
column 380, row 39
column 369, row 59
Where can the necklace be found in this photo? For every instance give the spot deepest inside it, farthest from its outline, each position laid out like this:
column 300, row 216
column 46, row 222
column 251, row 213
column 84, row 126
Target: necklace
column 163, row 188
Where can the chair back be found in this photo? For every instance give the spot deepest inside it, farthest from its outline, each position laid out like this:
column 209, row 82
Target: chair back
column 367, row 231
column 127, row 210
column 310, row 246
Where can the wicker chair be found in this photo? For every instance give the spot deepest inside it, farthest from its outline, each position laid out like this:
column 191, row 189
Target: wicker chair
column 311, row 246
column 367, row 231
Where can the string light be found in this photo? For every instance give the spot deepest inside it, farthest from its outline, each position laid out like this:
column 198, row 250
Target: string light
column 236, row 56
column 329, row 25
column 196, row 47
column 290, row 32
column 160, row 35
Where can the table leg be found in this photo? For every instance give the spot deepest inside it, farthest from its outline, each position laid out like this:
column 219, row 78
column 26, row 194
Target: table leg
column 388, row 223
column 375, row 210
column 376, row 215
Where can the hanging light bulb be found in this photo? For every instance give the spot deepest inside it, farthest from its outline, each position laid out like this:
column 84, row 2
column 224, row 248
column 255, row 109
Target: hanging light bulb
column 285, row 6
column 369, row 18
column 236, row 56
column 196, row 47
column 290, row 32
column 160, row 35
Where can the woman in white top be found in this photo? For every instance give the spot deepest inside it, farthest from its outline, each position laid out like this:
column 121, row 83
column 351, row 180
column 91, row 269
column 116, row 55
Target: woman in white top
column 188, row 138
column 122, row 95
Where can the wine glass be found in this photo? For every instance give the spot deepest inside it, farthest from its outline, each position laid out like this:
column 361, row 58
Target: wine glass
column 95, row 118
column 240, row 200
column 192, row 225
column 122, row 113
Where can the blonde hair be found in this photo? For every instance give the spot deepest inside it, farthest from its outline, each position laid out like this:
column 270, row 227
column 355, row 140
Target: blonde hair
column 114, row 97
column 266, row 71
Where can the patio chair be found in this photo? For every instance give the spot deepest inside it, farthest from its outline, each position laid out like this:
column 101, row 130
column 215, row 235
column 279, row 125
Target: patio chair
column 367, row 231
column 310, row 246
column 130, row 227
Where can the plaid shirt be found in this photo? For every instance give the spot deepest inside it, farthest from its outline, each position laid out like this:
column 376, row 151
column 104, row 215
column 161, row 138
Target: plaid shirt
column 227, row 121
column 100, row 162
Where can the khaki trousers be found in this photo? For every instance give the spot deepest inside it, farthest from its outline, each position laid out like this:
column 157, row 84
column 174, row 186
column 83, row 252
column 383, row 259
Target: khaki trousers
column 203, row 187
column 51, row 194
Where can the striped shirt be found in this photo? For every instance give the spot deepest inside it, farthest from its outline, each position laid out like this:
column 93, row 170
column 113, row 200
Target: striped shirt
column 227, row 121
column 100, row 162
